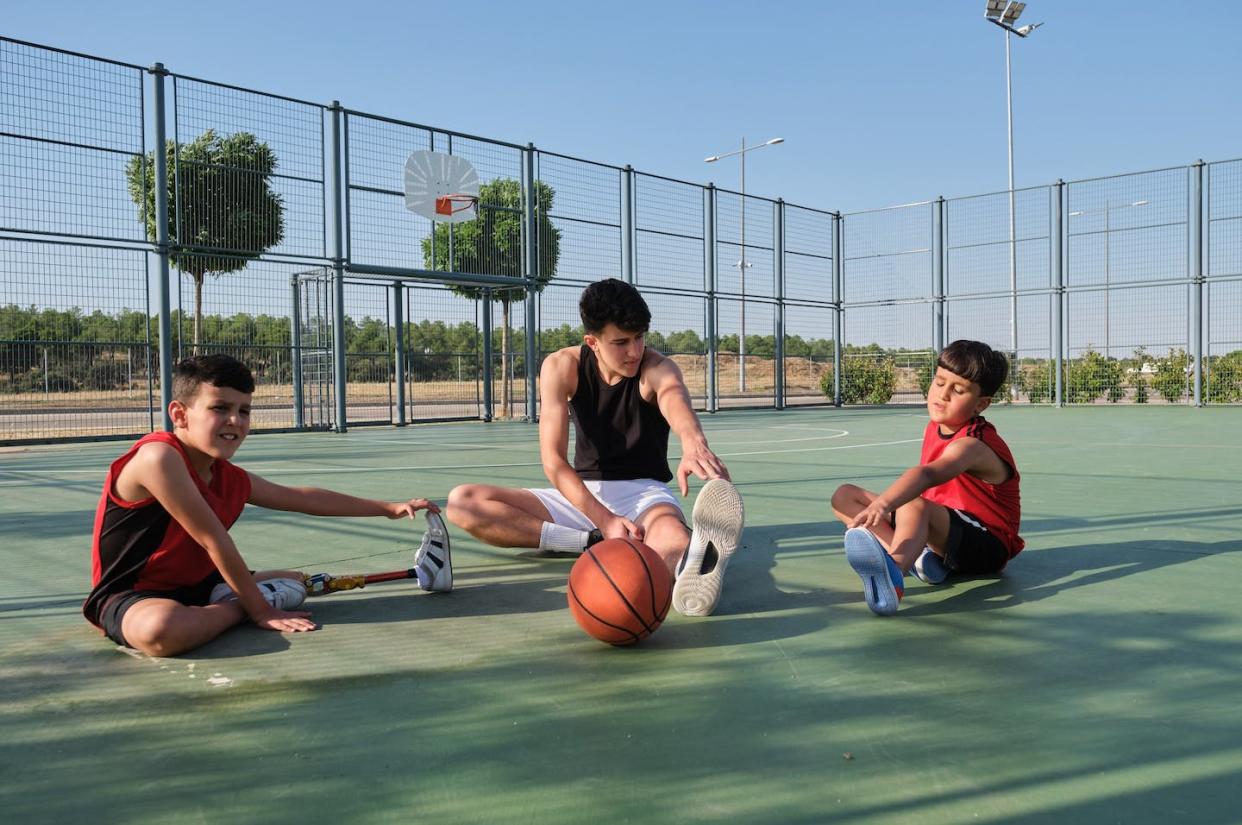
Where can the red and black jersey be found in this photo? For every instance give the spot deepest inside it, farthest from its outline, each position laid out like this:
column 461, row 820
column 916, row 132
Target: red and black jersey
column 998, row 507
column 139, row 546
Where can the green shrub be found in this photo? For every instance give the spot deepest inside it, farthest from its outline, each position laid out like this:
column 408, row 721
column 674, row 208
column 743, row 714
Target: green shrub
column 864, row 381
column 1172, row 378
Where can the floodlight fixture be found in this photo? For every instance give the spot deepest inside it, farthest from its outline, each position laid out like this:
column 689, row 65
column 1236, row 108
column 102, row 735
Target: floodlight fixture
column 1012, row 12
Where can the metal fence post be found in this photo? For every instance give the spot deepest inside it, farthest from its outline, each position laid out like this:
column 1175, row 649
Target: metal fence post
column 399, row 356
column 1196, row 273
column 158, row 73
column 1058, row 285
column 628, row 230
column 778, row 267
column 838, row 326
column 532, row 278
column 295, row 352
column 339, row 376
column 488, row 412
column 938, row 266
column 709, row 275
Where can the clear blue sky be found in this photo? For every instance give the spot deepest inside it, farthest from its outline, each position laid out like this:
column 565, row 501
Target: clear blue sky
column 879, row 103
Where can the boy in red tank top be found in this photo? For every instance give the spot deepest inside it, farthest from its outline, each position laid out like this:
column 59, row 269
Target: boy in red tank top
column 166, row 576
column 956, row 512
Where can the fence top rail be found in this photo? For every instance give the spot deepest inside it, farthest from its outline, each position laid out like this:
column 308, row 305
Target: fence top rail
column 434, row 129
column 1222, row 162
column 675, row 180
column 1130, row 174
column 829, row 212
column 772, row 201
column 1017, row 189
column 563, row 156
column 177, row 76
column 120, row 63
column 886, row 208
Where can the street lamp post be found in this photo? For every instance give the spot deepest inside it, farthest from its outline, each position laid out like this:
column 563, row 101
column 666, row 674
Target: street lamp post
column 1005, row 13
column 742, row 263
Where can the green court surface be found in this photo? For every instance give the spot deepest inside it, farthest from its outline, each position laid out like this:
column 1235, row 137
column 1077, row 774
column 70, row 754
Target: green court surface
column 1096, row 681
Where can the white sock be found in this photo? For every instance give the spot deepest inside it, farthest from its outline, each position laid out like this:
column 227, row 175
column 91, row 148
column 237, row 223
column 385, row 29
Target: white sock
column 562, row 538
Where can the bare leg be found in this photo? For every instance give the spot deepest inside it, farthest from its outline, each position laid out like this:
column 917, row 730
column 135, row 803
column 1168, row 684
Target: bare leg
column 666, row 533
column 500, row 516
column 164, row 627
column 919, row 523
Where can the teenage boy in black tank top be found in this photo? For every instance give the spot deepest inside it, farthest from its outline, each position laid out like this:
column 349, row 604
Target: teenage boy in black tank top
column 624, row 400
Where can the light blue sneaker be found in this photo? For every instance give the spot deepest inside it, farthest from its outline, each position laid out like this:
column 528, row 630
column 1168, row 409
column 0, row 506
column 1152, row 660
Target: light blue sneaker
column 930, row 568
column 883, row 582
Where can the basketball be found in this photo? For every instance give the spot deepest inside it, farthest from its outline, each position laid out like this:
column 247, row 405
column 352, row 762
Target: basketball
column 619, row 591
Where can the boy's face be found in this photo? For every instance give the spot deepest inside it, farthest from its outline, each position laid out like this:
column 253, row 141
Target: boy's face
column 953, row 400
column 215, row 421
column 619, row 351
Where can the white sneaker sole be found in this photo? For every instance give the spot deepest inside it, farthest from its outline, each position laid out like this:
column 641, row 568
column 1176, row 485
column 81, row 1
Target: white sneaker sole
column 718, row 517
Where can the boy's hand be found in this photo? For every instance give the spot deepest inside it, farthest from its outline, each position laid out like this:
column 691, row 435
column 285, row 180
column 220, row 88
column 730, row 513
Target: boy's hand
column 620, row 528
column 397, row 509
column 875, row 514
column 697, row 459
column 285, row 621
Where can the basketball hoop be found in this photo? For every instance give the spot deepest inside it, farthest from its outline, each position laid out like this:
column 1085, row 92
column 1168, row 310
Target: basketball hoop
column 448, row 205
column 443, row 188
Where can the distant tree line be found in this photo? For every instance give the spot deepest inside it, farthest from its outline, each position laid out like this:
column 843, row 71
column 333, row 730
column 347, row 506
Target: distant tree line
column 69, row 350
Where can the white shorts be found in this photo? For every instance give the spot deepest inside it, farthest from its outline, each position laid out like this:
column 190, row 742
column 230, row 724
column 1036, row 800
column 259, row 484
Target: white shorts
column 628, row 499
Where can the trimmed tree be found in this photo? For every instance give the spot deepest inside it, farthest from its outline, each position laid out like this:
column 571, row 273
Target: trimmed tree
column 492, row 245
column 227, row 205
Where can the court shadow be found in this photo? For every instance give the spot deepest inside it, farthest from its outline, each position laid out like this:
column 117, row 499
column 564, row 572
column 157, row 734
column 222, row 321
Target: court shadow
column 1040, row 574
column 406, row 602
column 238, row 642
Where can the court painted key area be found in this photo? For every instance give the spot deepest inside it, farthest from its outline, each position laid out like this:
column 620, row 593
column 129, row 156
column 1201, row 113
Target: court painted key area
column 1096, row 681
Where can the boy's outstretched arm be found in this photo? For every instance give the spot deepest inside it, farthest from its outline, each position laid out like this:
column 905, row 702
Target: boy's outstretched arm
column 962, row 456
column 160, row 471
column 673, row 399
column 315, row 501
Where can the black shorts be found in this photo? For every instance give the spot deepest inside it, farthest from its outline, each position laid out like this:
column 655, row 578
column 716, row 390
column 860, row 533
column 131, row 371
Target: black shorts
column 114, row 609
column 971, row 550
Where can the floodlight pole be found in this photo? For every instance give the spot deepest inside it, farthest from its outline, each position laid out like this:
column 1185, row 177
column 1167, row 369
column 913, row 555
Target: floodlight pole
column 742, row 263
column 1005, row 16
column 1013, row 242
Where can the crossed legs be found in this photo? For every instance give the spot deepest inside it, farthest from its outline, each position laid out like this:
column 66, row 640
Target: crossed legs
column 917, row 524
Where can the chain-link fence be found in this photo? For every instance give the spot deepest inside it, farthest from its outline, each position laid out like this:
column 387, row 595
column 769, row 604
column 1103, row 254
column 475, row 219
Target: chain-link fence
column 287, row 243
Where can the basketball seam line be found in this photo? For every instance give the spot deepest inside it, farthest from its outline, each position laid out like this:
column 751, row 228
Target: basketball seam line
column 624, row 599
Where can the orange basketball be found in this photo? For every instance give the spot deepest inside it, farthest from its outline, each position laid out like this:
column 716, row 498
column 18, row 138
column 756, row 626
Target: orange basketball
column 619, row 591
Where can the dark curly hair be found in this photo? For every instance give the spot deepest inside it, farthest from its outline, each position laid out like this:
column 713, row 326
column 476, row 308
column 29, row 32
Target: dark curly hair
column 613, row 302
column 218, row 370
column 975, row 361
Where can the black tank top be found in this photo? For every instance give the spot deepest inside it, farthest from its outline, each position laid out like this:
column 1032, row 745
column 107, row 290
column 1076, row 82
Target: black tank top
column 619, row 435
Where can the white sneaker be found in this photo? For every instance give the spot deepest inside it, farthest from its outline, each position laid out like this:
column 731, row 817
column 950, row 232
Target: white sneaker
column 434, row 559
column 715, row 537
column 282, row 594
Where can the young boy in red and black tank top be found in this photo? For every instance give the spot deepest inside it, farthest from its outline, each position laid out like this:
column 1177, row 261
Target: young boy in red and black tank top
column 958, row 511
column 166, row 576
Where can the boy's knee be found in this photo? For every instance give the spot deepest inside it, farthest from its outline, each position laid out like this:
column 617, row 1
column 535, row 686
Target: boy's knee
column 460, row 505
column 154, row 635
column 844, row 494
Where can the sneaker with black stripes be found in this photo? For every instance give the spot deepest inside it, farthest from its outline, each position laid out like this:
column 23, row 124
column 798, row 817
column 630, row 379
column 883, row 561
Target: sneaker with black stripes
column 434, row 560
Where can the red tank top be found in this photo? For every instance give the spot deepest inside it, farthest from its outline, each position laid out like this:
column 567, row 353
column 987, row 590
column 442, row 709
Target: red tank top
column 139, row 546
column 998, row 507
